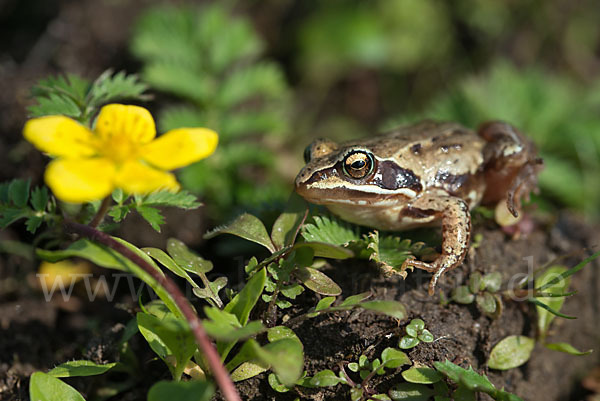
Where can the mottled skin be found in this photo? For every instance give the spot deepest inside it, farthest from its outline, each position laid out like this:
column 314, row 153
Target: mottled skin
column 420, row 175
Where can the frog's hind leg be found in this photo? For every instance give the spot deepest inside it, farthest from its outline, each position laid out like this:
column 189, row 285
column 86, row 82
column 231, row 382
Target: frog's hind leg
column 456, row 231
column 511, row 165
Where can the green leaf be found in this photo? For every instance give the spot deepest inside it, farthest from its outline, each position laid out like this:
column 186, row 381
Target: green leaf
column 186, row 259
column 241, row 305
column 425, row 336
column 212, row 290
column 288, row 223
column 318, row 282
column 390, row 252
column 568, row 273
column 194, row 390
column 421, row 375
column 81, row 368
column 492, row 281
column 109, row 258
column 462, row 295
column 44, row 387
column 410, row 392
column 567, row 348
column 325, row 378
column 39, row 198
column 408, row 342
column 486, row 303
column 223, row 332
column 391, row 308
column 280, row 332
column 355, row 299
column 182, row 199
column 466, row 377
column 324, row 303
column 329, row 230
column 292, row 291
column 152, row 215
column 276, row 384
column 326, row 250
column 108, row 88
column 10, row 215
column 417, row 325
column 542, row 305
column 248, row 227
column 18, row 192
column 55, row 104
column 248, row 369
column 476, row 283
column 33, row 223
column 511, row 352
column 545, row 315
column 394, row 358
column 285, row 357
column 160, row 256
column 169, row 336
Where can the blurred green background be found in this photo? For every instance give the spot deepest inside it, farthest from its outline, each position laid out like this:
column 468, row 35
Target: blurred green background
column 271, row 76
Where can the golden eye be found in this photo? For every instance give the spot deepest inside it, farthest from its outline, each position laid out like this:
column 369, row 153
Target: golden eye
column 358, row 164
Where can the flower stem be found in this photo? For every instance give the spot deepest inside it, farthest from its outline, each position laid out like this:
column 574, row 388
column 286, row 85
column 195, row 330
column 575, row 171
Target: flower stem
column 214, row 361
column 101, row 212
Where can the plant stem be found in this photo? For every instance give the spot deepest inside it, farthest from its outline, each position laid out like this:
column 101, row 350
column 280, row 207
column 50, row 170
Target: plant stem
column 101, row 212
column 214, row 361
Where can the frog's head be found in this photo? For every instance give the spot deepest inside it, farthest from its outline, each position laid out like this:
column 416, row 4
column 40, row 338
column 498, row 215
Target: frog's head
column 352, row 174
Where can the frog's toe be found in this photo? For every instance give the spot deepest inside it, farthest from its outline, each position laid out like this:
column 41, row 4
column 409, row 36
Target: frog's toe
column 523, row 184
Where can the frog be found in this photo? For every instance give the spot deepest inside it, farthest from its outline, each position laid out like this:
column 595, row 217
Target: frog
column 430, row 173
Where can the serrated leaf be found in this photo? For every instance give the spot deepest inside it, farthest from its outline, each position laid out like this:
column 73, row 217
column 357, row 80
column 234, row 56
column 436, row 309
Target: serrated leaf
column 81, row 368
column 39, row 198
column 421, row 375
column 118, row 213
column 317, row 281
column 194, row 390
column 248, row 227
column 511, row 352
column 567, row 348
column 329, row 230
column 108, row 88
column 545, row 317
column 33, row 223
column 44, row 387
column 55, row 104
column 390, row 252
column 182, row 199
column 9, row 215
column 151, row 215
column 283, row 303
column 18, row 192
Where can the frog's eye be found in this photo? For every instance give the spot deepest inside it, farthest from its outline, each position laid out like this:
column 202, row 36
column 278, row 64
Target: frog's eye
column 307, row 152
column 358, row 164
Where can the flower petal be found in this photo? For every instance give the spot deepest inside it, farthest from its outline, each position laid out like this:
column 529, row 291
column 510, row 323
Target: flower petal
column 138, row 178
column 59, row 136
column 180, row 147
column 125, row 122
column 81, row 180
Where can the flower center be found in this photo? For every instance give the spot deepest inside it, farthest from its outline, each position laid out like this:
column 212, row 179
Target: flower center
column 119, row 148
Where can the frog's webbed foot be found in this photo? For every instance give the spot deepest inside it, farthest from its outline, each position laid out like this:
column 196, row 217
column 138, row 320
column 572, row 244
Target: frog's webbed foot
column 511, row 165
column 456, row 230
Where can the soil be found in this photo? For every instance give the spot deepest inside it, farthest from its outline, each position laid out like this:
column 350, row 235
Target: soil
column 86, row 37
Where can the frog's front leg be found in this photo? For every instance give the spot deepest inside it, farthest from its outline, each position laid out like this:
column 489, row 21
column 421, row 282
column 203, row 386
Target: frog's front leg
column 511, row 165
column 456, row 231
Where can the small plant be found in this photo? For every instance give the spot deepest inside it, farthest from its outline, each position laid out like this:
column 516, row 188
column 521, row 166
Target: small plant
column 415, row 333
column 483, row 290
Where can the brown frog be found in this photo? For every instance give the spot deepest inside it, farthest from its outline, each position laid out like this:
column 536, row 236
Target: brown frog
column 420, row 175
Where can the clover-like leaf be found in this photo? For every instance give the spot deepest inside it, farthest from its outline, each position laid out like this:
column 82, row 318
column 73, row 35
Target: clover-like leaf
column 462, row 295
column 425, row 336
column 492, row 281
column 248, row 227
column 408, row 342
column 511, row 352
column 486, row 303
column 476, row 283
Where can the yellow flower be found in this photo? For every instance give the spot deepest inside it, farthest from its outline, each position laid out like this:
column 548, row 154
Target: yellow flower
column 120, row 152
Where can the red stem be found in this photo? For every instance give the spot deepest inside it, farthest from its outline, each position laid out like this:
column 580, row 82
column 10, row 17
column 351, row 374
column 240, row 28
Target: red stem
column 214, row 361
